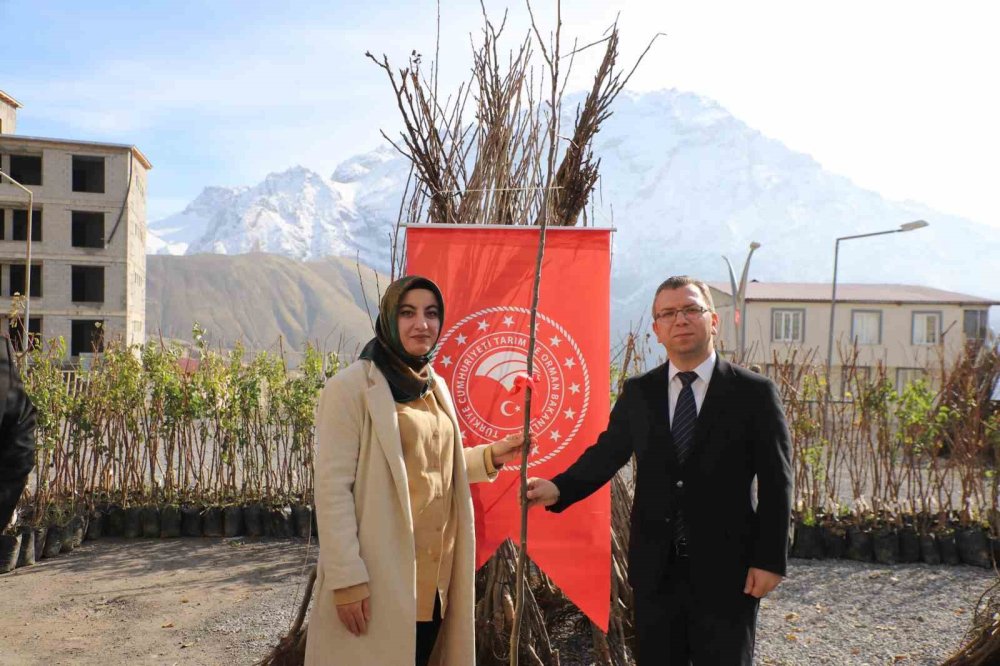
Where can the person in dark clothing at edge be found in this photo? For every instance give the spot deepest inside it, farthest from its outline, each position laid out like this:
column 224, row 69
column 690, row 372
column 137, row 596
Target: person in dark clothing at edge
column 703, row 549
column 17, row 434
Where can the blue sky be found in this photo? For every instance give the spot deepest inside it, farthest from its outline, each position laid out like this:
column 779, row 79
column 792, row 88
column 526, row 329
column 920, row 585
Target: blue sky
column 215, row 96
column 900, row 96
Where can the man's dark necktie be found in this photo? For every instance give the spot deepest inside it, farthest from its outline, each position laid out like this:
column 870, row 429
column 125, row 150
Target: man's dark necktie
column 685, row 417
column 682, row 430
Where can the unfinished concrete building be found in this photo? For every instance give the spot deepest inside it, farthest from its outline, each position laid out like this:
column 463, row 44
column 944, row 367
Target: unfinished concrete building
column 88, row 236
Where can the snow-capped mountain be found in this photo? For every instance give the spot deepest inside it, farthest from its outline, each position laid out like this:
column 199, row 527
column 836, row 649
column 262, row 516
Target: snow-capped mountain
column 296, row 213
column 683, row 182
column 689, row 183
column 177, row 233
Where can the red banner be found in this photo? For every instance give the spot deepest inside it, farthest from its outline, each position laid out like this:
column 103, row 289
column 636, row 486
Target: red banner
column 486, row 275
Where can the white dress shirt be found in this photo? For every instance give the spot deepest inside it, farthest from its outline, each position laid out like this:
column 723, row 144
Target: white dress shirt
column 699, row 385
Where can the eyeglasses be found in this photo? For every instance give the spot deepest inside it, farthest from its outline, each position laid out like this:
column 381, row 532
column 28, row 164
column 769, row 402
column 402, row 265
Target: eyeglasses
column 689, row 312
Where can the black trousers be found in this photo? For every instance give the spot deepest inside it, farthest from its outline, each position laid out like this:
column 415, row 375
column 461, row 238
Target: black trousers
column 427, row 633
column 675, row 626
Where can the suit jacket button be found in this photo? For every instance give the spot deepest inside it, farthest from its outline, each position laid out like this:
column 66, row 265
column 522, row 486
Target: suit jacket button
column 680, row 484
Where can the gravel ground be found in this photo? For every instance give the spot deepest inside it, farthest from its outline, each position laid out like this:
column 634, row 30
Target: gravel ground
column 226, row 601
column 840, row 612
column 196, row 602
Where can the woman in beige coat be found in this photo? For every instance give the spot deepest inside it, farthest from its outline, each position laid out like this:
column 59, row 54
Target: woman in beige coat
column 397, row 546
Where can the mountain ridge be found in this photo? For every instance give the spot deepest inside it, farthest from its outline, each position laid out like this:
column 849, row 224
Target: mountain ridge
column 683, row 181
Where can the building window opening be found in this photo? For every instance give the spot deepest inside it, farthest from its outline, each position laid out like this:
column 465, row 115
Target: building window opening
column 975, row 324
column 88, row 174
column 787, row 325
column 17, row 280
column 926, row 328
column 26, row 169
column 86, row 336
column 19, row 226
column 88, row 229
column 16, row 329
column 88, row 284
column 866, row 327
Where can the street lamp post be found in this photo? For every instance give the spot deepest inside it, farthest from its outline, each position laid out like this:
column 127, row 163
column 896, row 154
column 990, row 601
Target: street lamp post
column 909, row 226
column 739, row 302
column 26, row 336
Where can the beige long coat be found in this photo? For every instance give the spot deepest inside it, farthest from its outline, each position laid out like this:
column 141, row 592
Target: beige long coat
column 366, row 530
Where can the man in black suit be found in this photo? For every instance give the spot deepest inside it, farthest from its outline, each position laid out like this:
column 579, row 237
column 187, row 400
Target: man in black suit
column 702, row 550
column 17, row 434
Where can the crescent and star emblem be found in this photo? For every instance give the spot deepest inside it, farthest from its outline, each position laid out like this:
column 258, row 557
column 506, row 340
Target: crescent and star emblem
column 481, row 356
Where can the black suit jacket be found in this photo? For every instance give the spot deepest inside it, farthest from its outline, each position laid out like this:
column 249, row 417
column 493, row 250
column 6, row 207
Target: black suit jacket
column 740, row 433
column 17, row 434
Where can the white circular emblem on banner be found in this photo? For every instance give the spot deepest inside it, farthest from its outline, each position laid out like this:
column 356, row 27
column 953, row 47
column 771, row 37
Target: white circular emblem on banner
column 484, row 353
